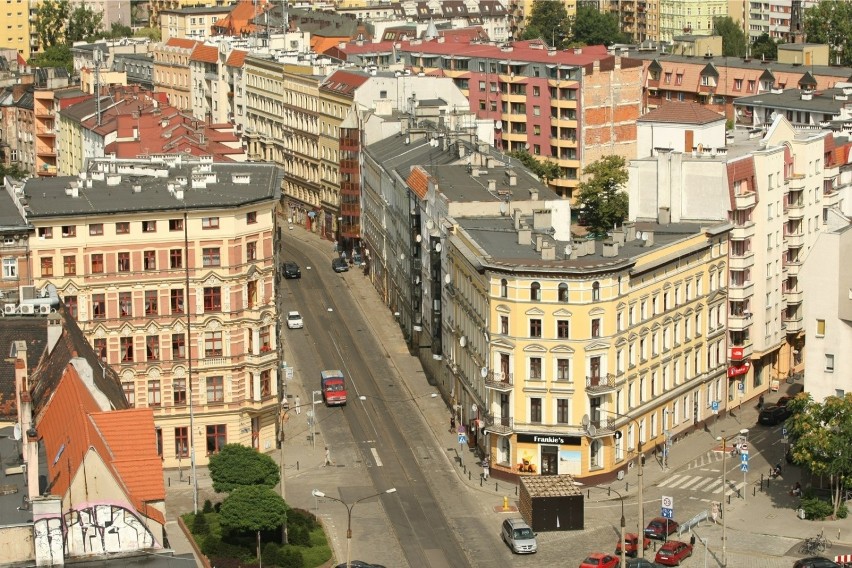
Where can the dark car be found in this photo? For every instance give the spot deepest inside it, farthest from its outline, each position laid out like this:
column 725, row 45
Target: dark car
column 339, row 265
column 360, row 564
column 660, row 528
column 783, row 400
column 641, row 563
column 773, row 415
column 631, row 541
column 815, row 562
column 292, row 270
column 673, row 553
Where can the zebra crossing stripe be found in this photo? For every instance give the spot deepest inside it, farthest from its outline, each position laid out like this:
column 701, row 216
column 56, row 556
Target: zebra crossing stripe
column 692, row 483
column 682, row 482
column 667, row 482
column 701, row 485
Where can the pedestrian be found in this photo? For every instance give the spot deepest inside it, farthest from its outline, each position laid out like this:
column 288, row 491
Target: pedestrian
column 485, row 467
column 760, row 403
column 328, row 461
column 335, row 247
column 452, row 423
column 298, row 402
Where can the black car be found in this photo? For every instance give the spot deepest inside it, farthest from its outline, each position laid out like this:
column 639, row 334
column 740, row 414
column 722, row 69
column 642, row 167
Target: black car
column 641, row 563
column 773, row 415
column 360, row 564
column 339, row 265
column 816, row 562
column 292, row 270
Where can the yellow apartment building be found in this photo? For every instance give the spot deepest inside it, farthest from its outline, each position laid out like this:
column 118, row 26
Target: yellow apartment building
column 15, row 14
column 172, row 72
column 629, row 332
column 168, row 266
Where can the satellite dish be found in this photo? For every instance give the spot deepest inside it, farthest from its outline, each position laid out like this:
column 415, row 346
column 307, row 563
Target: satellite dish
column 592, row 430
column 498, row 125
column 567, row 249
column 438, row 247
column 504, row 208
column 645, row 236
column 473, row 408
column 16, row 432
column 483, row 372
column 447, row 279
column 585, row 421
column 462, row 340
column 430, row 224
column 639, row 235
column 418, row 238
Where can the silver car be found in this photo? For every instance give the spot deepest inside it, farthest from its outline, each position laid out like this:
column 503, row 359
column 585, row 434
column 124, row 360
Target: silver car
column 519, row 536
column 294, row 320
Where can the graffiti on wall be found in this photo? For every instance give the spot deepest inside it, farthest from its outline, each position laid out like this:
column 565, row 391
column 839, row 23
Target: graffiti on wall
column 104, row 528
column 48, row 540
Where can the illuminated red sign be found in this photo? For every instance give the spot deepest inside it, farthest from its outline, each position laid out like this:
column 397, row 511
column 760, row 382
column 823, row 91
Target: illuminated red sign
column 737, row 371
column 737, row 353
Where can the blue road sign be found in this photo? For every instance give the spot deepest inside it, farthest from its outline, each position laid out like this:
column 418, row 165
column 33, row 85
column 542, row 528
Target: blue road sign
column 715, row 405
column 462, row 439
column 744, row 467
column 743, row 458
column 741, row 386
column 784, row 431
column 667, row 513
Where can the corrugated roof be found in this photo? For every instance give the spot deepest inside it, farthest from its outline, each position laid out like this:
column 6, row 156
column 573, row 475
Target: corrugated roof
column 682, row 113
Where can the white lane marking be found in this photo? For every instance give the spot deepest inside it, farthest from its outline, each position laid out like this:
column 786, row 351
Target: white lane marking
column 669, row 481
column 376, row 457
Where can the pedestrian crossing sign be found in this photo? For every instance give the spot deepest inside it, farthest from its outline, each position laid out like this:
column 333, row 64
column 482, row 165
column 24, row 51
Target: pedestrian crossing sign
column 462, row 439
column 744, row 467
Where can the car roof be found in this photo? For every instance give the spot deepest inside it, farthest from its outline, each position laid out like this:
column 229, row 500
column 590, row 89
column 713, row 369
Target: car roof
column 517, row 522
column 293, row 313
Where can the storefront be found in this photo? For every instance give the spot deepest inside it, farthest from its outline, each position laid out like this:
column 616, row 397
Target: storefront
column 544, row 454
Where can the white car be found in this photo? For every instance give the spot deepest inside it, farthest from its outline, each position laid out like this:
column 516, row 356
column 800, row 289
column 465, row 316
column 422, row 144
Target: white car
column 294, row 320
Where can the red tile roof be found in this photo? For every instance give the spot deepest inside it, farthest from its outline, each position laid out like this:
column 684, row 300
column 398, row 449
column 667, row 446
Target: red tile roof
column 682, row 113
column 239, row 20
column 181, row 42
column 464, row 35
column 236, row 58
column 344, row 82
column 205, row 53
column 418, row 181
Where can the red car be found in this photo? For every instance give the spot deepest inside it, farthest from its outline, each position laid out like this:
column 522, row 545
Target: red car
column 631, row 542
column 660, row 528
column 600, row 560
column 673, row 552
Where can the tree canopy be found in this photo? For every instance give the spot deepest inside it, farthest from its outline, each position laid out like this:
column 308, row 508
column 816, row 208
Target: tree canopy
column 543, row 169
column 549, row 21
column 601, row 198
column 830, row 22
column 593, row 27
column 14, row 171
column 821, row 435
column 253, row 508
column 733, row 38
column 54, row 56
column 57, row 23
column 764, row 47
column 237, row 466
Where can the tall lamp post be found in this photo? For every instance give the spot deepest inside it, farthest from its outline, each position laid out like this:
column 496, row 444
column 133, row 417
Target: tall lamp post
column 281, row 456
column 724, row 440
column 349, row 507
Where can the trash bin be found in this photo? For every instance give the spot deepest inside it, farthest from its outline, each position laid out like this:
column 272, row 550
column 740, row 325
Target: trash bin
column 800, row 513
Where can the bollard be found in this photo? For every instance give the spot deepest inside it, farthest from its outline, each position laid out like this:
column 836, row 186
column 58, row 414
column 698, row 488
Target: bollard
column 496, row 486
column 627, row 487
column 297, row 466
column 729, row 499
column 170, row 482
column 753, row 491
column 480, row 480
column 516, row 490
column 505, row 503
column 468, row 475
column 464, row 467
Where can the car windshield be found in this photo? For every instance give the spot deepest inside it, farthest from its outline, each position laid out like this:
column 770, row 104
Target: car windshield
column 295, row 316
column 592, row 561
column 334, row 388
column 523, row 534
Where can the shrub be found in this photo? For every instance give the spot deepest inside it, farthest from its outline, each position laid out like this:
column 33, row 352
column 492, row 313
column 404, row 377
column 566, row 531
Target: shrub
column 200, row 526
column 816, row 509
column 211, row 546
column 290, row 558
column 217, row 506
column 270, row 554
column 842, row 511
column 208, row 506
column 302, row 518
column 299, row 536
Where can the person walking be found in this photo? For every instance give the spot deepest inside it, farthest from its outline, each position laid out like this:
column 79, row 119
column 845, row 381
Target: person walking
column 328, row 461
column 760, row 402
column 298, row 402
column 452, row 423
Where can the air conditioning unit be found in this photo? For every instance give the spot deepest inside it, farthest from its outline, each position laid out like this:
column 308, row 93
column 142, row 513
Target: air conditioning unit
column 44, row 309
column 9, row 309
column 27, row 309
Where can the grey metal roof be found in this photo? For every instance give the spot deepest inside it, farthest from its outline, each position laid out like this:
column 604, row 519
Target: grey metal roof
column 821, row 101
column 394, row 154
column 458, row 184
column 46, row 196
column 10, row 219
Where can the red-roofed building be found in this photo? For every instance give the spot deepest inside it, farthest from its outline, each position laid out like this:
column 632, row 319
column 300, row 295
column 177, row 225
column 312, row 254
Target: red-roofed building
column 239, row 21
column 570, row 107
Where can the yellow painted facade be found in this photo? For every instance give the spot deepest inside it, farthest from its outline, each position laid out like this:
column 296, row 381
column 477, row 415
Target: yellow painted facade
column 15, row 33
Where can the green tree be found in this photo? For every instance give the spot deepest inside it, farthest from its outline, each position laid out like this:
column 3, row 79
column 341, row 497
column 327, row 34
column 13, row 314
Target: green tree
column 237, row 465
column 83, row 25
column 822, row 436
column 119, row 30
column 549, row 21
column 830, row 22
column 54, row 56
column 253, row 508
column 764, row 47
column 733, row 38
column 601, row 198
column 153, row 34
column 593, row 27
column 544, row 169
column 14, row 171
column 51, row 19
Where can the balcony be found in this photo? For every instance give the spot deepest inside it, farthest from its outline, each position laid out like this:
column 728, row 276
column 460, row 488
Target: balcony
column 794, row 240
column 739, row 323
column 796, row 181
column 793, row 268
column 745, row 200
column 740, row 292
column 502, row 425
column 601, row 428
column 795, row 210
column 501, row 382
column 744, row 231
column 211, row 77
column 600, row 384
column 742, row 261
column 793, row 322
column 793, row 296
column 264, row 357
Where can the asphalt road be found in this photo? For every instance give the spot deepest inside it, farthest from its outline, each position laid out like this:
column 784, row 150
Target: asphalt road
column 382, row 429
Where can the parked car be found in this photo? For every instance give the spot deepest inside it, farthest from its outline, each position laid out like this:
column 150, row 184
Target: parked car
column 641, row 563
column 518, row 535
column 673, row 552
column 339, row 265
column 294, row 320
column 783, row 400
column 631, row 541
column 360, row 564
column 599, row 560
column 816, row 562
column 292, row 270
column 660, row 528
column 773, row 415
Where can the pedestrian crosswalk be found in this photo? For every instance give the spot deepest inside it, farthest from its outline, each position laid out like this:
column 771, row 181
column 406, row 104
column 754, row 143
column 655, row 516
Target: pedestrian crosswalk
column 700, row 483
column 705, row 459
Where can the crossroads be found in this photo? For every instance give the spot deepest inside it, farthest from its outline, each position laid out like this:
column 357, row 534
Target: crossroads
column 708, row 482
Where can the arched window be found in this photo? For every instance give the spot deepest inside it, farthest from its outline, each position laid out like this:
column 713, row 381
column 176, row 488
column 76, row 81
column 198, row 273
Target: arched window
column 563, row 292
column 535, row 291
column 504, row 288
column 596, row 291
column 595, row 453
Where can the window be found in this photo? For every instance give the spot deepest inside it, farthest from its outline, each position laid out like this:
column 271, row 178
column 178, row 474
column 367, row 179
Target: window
column 151, row 303
column 213, row 299
column 251, row 217
column 216, row 438
column 596, row 291
column 563, row 329
column 45, row 232
column 251, row 251
column 738, row 84
column 504, row 325
column 820, row 328
column 98, row 306
column 100, row 347
column 535, row 410
column 176, row 300
column 10, row 268
column 69, row 265
column 69, row 231
column 829, row 363
column 176, row 258
column 124, row 262
column 46, row 267
column 178, row 346
column 535, row 368
column 266, row 383
column 562, row 411
column 122, row 228
column 535, row 328
column 96, row 229
column 97, row 263
column 149, row 226
column 535, row 291
column 504, row 288
column 125, row 304
column 149, row 260
column 264, row 336
column 213, row 344
column 563, row 292
column 152, row 348
column 210, row 222
column 153, row 393
column 595, row 368
column 210, row 256
column 126, row 345
column 175, row 224
column 71, row 306
column 182, row 442
column 215, row 389
column 179, row 391
column 562, row 370
column 596, row 327
column 129, row 389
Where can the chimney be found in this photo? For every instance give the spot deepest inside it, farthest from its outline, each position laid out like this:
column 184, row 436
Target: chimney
column 590, row 246
column 617, row 237
column 516, row 218
column 513, row 178
column 539, row 238
column 664, row 216
column 548, row 251
column 524, row 235
column 54, row 331
column 610, row 248
column 533, row 194
column 648, row 237
column 492, row 185
column 630, row 231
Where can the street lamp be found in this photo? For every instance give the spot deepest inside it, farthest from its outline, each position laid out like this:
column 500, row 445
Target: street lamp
column 281, row 456
column 724, row 440
column 623, row 524
column 349, row 507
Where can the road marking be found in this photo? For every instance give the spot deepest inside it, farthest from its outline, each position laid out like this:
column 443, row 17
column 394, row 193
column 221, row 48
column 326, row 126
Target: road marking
column 668, row 481
column 701, row 485
column 376, row 457
column 692, row 482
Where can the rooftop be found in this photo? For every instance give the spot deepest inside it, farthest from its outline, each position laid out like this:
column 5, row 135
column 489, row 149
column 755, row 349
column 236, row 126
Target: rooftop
column 682, row 113
column 827, row 101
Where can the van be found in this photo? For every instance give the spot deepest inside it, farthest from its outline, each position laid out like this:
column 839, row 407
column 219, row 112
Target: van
column 518, row 535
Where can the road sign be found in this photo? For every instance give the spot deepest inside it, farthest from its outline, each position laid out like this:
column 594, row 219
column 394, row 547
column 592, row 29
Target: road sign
column 667, row 502
column 744, row 467
column 744, row 458
column 744, row 448
column 462, row 438
column 667, row 513
column 784, row 431
column 715, row 406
